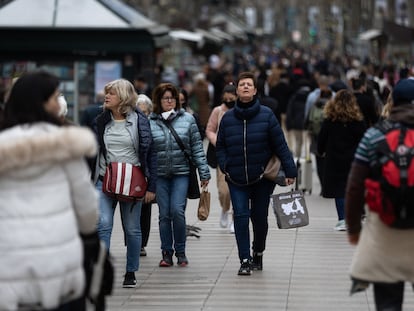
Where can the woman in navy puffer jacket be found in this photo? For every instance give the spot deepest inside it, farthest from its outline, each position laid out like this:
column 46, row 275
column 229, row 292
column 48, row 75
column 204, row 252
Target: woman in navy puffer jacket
column 248, row 136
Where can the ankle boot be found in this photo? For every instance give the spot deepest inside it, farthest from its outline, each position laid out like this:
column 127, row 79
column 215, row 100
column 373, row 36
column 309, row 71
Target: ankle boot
column 257, row 263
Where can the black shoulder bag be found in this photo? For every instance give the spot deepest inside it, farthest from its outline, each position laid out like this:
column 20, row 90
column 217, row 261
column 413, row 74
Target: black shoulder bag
column 193, row 188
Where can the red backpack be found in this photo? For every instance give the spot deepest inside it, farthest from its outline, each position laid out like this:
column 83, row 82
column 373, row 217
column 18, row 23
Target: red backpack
column 390, row 188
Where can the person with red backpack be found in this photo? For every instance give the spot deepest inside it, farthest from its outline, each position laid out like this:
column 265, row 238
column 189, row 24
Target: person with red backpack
column 382, row 178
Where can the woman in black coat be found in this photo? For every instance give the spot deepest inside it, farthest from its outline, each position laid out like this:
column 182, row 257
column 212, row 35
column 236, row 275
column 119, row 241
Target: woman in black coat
column 341, row 131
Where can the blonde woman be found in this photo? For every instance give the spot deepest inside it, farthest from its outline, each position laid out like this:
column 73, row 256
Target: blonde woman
column 124, row 136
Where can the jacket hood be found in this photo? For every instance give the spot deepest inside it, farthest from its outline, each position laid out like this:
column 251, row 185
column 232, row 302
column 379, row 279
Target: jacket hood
column 27, row 145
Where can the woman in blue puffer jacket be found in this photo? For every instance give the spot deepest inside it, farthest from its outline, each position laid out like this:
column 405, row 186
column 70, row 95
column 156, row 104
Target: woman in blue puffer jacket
column 249, row 134
column 173, row 169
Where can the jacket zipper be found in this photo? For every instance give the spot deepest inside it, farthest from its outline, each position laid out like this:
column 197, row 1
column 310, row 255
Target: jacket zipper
column 245, row 149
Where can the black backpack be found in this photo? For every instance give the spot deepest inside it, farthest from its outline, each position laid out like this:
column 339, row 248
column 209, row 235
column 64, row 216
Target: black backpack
column 390, row 190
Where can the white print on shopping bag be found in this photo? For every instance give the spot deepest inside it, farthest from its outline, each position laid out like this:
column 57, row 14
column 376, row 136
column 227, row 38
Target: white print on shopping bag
column 292, row 208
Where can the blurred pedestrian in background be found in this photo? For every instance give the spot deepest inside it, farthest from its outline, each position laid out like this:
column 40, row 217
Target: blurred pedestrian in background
column 124, row 136
column 44, row 183
column 366, row 102
column 295, row 117
column 144, row 103
column 141, row 86
column 313, row 124
column 92, row 111
column 201, row 97
column 229, row 100
column 340, row 133
column 183, row 98
column 173, row 169
column 248, row 136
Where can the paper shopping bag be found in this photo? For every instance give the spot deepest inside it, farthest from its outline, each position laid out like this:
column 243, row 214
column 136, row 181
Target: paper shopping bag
column 290, row 209
column 204, row 205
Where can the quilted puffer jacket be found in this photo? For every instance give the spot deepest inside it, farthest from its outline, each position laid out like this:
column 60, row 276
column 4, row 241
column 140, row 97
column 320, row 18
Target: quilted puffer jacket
column 171, row 160
column 247, row 138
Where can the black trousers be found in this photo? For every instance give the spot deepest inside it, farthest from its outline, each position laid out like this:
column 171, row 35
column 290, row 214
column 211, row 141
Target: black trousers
column 389, row 296
column 145, row 222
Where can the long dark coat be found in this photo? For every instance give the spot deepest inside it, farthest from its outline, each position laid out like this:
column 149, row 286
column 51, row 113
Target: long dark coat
column 338, row 142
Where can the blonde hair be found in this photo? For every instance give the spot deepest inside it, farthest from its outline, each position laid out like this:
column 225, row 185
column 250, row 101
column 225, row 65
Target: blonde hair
column 385, row 113
column 126, row 93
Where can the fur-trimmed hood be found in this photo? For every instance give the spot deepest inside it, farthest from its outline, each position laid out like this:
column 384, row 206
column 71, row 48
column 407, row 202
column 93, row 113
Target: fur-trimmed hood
column 29, row 145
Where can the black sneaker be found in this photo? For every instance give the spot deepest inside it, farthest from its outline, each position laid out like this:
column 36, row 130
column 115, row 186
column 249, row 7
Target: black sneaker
column 257, row 263
column 182, row 260
column 166, row 260
column 245, row 267
column 143, row 252
column 129, row 280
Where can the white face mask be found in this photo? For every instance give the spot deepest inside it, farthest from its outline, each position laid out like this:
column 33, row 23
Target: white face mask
column 166, row 114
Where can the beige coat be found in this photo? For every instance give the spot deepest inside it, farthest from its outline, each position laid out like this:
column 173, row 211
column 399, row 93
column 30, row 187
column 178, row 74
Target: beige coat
column 383, row 254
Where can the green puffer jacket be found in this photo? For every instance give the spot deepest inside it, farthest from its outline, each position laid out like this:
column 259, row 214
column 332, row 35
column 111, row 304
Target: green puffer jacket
column 171, row 160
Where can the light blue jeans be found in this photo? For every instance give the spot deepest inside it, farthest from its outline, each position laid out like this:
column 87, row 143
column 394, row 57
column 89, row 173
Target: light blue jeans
column 171, row 200
column 130, row 216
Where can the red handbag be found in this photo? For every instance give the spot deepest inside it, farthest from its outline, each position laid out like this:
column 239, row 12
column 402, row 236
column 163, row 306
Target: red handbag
column 124, row 182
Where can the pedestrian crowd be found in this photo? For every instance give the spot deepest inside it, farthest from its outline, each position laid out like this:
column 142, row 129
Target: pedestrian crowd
column 53, row 173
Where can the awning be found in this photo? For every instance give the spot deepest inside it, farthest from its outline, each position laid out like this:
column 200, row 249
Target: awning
column 74, row 20
column 186, row 35
column 220, row 33
column 199, row 36
column 208, row 36
column 370, row 34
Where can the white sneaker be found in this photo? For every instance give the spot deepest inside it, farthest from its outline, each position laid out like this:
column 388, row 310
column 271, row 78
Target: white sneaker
column 224, row 219
column 340, row 226
column 231, row 227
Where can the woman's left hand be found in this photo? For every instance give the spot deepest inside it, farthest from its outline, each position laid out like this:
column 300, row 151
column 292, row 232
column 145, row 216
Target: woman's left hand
column 149, row 197
column 204, row 183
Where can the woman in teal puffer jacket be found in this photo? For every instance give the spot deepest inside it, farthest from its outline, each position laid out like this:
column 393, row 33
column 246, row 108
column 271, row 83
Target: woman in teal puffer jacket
column 173, row 169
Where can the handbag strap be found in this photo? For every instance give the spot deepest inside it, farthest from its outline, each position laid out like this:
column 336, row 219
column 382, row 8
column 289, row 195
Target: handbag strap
column 178, row 140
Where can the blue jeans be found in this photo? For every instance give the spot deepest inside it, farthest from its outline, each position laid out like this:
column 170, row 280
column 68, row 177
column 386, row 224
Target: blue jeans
column 340, row 208
column 130, row 216
column 251, row 202
column 172, row 199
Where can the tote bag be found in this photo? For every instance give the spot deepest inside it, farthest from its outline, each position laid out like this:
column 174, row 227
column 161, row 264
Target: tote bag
column 290, row 209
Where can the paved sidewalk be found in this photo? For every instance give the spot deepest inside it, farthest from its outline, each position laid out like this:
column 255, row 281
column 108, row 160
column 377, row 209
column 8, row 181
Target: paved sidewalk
column 304, row 269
